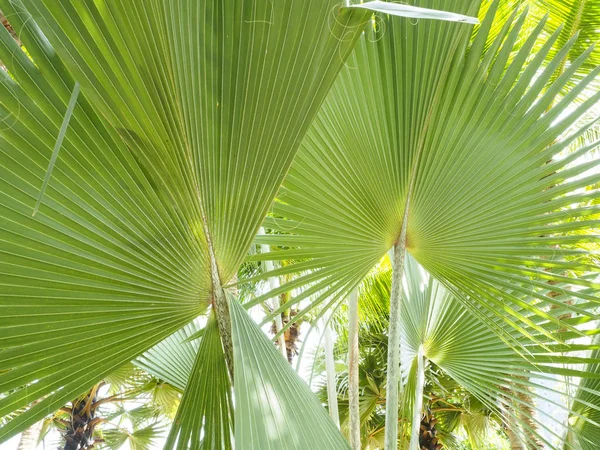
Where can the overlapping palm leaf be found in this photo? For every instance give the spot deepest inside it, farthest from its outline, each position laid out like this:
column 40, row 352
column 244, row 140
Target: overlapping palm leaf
column 584, row 423
column 188, row 117
column 207, row 397
column 579, row 19
column 472, row 141
column 464, row 347
column 172, row 359
column 270, row 389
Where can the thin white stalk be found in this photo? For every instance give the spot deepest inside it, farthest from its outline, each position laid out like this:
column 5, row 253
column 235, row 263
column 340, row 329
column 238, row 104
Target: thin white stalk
column 418, row 403
column 274, row 284
column 330, row 370
column 353, row 390
column 393, row 359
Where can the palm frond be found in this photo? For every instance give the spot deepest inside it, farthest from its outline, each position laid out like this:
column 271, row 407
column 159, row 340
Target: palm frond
column 188, row 118
column 474, row 139
column 208, row 398
column 584, row 423
column 274, row 407
column 172, row 360
column 578, row 20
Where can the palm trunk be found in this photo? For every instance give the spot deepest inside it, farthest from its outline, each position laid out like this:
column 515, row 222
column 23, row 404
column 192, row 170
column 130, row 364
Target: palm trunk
column 31, row 436
column 527, row 413
column 418, row 403
column 514, row 440
column 79, row 434
column 511, row 423
column 274, row 284
column 353, row 357
column 330, row 369
column 393, row 360
column 9, row 27
column 428, row 439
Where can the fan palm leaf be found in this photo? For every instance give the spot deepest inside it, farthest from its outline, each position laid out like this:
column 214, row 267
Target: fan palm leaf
column 172, row 359
column 482, row 218
column 188, row 117
column 579, row 19
column 440, row 329
column 584, row 423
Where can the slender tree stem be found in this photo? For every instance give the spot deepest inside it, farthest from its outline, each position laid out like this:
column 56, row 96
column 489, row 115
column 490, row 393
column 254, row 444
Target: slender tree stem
column 274, row 284
column 393, row 360
column 418, row 403
column 353, row 391
column 330, row 369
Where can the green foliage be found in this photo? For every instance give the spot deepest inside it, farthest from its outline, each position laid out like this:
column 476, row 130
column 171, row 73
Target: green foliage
column 194, row 117
column 158, row 171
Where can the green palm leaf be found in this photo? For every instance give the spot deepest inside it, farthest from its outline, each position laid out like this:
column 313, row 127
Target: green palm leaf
column 466, row 134
column 207, row 399
column 579, row 19
column 172, row 360
column 274, row 407
column 584, row 422
column 188, row 117
column 452, row 336
column 457, row 342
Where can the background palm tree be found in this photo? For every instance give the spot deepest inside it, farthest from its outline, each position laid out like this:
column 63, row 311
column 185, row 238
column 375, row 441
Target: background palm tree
column 466, row 367
column 130, row 407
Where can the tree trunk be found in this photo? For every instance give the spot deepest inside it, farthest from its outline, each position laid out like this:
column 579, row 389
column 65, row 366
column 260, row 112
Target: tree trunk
column 31, row 436
column 514, row 440
column 527, row 412
column 353, row 357
column 274, row 284
column 330, row 369
column 393, row 360
column 79, row 434
column 418, row 403
column 428, row 432
column 511, row 424
column 9, row 27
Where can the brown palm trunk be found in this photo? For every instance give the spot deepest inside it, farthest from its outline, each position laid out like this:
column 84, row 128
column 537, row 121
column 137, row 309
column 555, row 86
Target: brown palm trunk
column 9, row 27
column 79, row 433
column 291, row 335
column 428, row 433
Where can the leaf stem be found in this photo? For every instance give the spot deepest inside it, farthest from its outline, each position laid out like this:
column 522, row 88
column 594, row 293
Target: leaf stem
column 393, row 359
